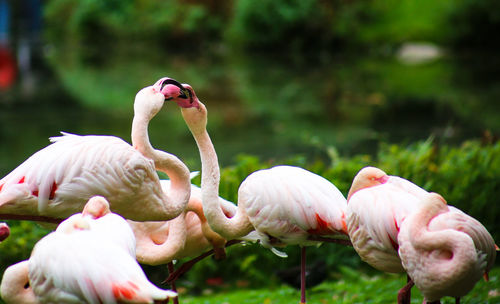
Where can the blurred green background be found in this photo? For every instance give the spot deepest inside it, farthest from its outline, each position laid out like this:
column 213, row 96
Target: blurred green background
column 411, row 86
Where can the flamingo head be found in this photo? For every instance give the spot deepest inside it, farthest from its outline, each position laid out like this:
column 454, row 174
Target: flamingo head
column 76, row 222
column 4, row 231
column 195, row 115
column 182, row 94
column 96, row 207
column 149, row 101
column 366, row 178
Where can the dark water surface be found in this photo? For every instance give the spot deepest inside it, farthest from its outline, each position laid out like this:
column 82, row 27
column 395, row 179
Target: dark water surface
column 270, row 107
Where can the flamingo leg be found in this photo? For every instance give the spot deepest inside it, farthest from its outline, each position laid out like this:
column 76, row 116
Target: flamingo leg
column 171, row 269
column 189, row 264
column 303, row 275
column 404, row 294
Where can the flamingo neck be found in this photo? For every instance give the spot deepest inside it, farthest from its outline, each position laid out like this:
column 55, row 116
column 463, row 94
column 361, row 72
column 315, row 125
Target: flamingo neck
column 177, row 171
column 14, row 282
column 152, row 253
column 230, row 228
column 451, row 254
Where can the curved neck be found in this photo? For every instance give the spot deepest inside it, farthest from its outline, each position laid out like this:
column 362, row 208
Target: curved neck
column 177, row 171
column 454, row 252
column 15, row 285
column 230, row 228
column 152, row 253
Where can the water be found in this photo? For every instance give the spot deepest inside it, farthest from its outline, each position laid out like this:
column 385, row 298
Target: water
column 270, row 107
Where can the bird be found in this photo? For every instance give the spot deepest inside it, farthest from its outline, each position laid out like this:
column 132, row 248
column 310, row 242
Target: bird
column 56, row 181
column 377, row 204
column 445, row 252
column 80, row 262
column 4, row 231
column 286, row 205
column 188, row 235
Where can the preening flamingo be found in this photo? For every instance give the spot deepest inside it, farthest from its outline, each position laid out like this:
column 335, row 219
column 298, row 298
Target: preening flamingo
column 81, row 262
column 444, row 252
column 4, row 231
column 284, row 204
column 57, row 181
column 188, row 235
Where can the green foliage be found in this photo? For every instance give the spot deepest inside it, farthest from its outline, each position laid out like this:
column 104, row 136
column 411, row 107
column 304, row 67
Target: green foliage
column 292, row 27
column 97, row 25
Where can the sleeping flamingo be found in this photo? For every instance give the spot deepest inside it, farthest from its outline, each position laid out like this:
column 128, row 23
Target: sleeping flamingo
column 284, row 204
column 444, row 252
column 377, row 204
column 56, row 181
column 81, row 262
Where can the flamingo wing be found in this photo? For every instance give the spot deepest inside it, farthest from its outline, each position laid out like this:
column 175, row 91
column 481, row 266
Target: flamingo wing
column 290, row 203
column 59, row 179
column 374, row 217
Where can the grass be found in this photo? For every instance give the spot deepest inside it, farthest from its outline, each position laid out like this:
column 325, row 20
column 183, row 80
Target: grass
column 350, row 287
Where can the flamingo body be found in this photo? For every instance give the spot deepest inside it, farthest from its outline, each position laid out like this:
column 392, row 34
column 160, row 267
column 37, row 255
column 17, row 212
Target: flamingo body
column 72, row 169
column 374, row 216
column 156, row 243
column 80, row 263
column 444, row 251
column 287, row 204
column 57, row 181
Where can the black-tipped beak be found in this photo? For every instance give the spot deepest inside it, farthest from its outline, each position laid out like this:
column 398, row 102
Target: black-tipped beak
column 184, row 92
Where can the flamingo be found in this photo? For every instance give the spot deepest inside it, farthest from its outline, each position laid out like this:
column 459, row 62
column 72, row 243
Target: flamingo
column 377, row 204
column 445, row 252
column 80, row 262
column 187, row 235
column 4, row 231
column 286, row 205
column 56, row 181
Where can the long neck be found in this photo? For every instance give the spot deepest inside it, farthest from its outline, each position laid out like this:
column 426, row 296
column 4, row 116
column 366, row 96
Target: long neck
column 230, row 228
column 15, row 285
column 152, row 253
column 449, row 254
column 177, row 171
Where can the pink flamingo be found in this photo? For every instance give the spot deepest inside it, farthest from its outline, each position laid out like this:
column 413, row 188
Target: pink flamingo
column 284, row 204
column 377, row 204
column 93, row 267
column 187, row 235
column 56, row 181
column 445, row 252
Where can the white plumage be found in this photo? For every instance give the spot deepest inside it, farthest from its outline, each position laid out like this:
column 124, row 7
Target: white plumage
column 56, row 181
